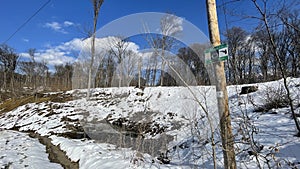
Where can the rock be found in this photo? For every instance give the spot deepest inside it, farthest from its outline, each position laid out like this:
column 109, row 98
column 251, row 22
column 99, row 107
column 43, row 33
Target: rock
column 249, row 89
column 163, row 159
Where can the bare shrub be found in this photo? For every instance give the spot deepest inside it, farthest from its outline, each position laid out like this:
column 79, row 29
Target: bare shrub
column 248, row 145
column 273, row 99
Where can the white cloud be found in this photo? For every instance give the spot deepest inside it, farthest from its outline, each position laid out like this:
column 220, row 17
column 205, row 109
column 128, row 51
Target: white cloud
column 24, row 55
column 59, row 27
column 25, row 40
column 51, row 57
column 101, row 45
column 68, row 23
column 54, row 57
column 77, row 48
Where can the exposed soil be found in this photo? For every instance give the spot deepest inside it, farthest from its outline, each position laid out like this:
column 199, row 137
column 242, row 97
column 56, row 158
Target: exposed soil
column 124, row 132
column 56, row 155
column 103, row 132
column 11, row 104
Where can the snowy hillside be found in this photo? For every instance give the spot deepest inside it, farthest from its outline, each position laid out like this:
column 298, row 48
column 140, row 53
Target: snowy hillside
column 157, row 127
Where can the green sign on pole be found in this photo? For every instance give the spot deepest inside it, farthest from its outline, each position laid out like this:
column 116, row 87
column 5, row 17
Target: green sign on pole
column 216, row 54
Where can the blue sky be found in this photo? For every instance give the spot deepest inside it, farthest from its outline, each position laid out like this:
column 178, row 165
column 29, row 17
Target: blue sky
column 61, row 23
column 62, row 20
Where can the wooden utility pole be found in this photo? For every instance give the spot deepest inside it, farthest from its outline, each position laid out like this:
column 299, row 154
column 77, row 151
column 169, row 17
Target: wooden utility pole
column 222, row 96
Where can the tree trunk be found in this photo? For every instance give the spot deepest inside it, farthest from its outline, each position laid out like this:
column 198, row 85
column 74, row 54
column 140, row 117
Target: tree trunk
column 97, row 4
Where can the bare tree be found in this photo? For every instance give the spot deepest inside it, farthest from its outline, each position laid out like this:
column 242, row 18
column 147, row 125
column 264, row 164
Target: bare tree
column 27, row 68
column 8, row 60
column 80, row 74
column 105, row 70
column 33, row 74
column 236, row 38
column 152, row 62
column 36, row 72
column 126, row 61
column 96, row 4
column 265, row 18
column 40, row 75
column 245, row 59
column 170, row 27
column 118, row 47
column 193, row 57
column 63, row 75
column 291, row 20
column 263, row 53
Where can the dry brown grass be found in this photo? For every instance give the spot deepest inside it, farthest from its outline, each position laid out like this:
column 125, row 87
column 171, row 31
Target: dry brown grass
column 13, row 103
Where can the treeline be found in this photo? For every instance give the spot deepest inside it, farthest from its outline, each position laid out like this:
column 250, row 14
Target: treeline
column 20, row 77
column 262, row 55
column 259, row 56
column 120, row 66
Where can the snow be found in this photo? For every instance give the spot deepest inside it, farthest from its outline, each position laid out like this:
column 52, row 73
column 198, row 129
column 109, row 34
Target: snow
column 173, row 109
column 92, row 155
column 18, row 150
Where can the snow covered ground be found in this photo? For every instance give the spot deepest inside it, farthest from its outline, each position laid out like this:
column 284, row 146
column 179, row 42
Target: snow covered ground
column 158, row 127
column 18, row 150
